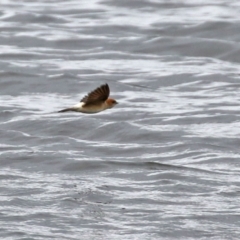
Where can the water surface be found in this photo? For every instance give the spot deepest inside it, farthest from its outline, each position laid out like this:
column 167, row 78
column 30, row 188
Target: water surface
column 164, row 163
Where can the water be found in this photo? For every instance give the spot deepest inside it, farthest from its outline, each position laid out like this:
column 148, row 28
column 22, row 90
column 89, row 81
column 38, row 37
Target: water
column 164, row 163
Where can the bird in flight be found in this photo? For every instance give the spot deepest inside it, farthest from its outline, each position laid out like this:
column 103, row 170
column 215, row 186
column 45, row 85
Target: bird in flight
column 94, row 102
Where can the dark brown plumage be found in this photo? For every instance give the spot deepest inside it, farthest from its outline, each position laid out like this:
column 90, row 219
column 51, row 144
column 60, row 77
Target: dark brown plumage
column 99, row 94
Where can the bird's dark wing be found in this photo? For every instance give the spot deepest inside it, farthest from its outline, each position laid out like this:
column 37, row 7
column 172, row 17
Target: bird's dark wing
column 100, row 94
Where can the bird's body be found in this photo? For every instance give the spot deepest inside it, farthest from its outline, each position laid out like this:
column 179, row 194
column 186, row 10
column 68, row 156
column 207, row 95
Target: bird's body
column 96, row 101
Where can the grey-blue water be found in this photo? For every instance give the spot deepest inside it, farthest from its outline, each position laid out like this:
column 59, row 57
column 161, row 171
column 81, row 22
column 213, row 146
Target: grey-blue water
column 164, row 163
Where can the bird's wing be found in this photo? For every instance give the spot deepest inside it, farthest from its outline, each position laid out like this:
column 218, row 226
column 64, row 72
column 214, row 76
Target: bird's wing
column 100, row 94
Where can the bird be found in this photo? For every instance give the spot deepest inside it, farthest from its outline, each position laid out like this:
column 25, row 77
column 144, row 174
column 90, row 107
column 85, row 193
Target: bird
column 95, row 101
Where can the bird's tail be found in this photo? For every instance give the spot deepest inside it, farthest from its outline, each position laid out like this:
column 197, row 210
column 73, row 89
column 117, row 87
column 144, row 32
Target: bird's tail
column 66, row 110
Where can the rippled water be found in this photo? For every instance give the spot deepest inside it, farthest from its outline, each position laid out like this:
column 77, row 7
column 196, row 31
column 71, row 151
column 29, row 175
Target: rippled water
column 164, row 163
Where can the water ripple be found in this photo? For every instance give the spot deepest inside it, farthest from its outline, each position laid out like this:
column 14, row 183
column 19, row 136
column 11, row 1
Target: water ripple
column 162, row 164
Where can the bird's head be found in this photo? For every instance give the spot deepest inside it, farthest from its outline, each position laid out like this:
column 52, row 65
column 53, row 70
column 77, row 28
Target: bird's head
column 111, row 102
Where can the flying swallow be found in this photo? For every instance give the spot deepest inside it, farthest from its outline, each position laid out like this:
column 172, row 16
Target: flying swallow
column 96, row 101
